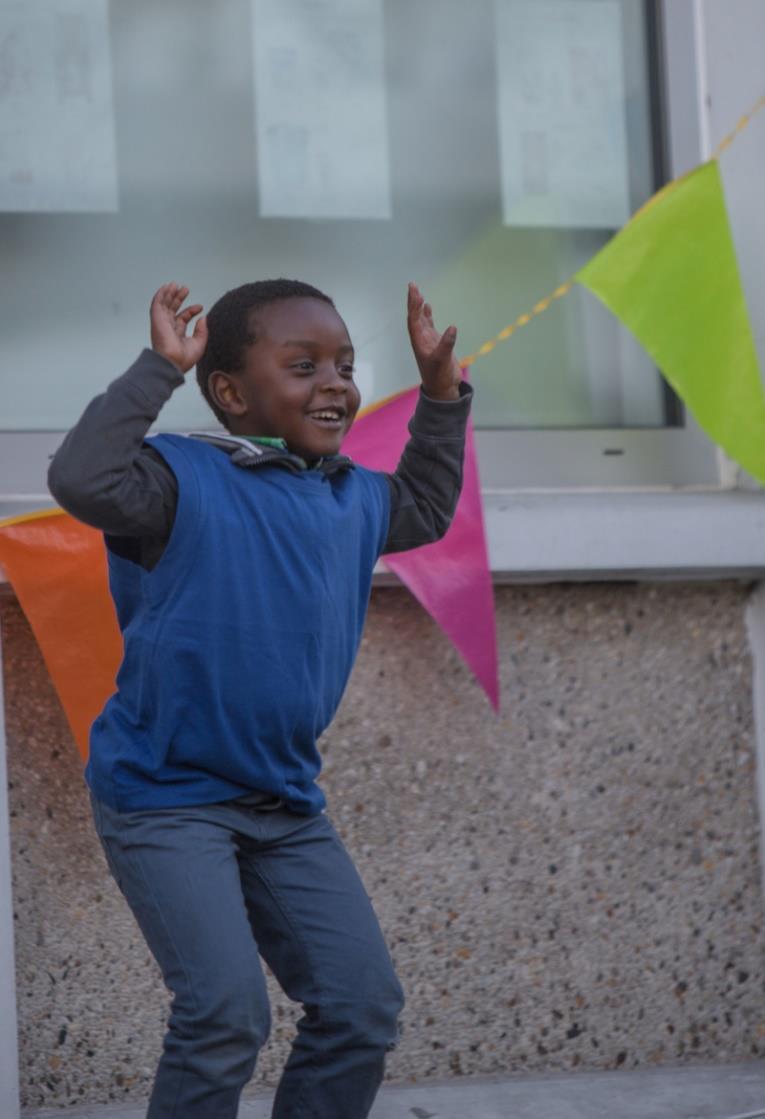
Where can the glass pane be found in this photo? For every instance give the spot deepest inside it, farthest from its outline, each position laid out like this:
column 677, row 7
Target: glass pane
column 354, row 144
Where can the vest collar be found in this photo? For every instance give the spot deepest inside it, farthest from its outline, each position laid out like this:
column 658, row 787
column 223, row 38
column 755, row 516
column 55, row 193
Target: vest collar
column 247, row 453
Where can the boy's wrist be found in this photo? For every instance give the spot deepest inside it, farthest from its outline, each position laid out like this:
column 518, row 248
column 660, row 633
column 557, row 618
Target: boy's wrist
column 462, row 390
column 158, row 353
column 443, row 419
column 442, row 395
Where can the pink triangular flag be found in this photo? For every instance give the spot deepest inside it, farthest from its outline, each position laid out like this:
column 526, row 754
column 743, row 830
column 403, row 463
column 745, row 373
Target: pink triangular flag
column 450, row 578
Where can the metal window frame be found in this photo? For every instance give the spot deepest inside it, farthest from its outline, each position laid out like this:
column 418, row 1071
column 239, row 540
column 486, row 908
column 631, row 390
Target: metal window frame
column 680, row 456
column 512, row 460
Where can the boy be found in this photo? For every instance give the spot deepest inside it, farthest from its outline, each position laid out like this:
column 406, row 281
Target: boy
column 240, row 565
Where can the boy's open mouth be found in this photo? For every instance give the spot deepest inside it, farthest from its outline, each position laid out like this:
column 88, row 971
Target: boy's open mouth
column 331, row 417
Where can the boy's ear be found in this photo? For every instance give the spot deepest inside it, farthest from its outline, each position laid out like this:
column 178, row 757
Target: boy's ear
column 224, row 389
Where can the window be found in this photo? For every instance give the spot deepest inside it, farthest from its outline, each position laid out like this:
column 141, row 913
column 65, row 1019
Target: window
column 485, row 149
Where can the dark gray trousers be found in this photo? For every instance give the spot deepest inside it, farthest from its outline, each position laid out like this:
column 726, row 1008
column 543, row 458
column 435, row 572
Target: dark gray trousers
column 214, row 887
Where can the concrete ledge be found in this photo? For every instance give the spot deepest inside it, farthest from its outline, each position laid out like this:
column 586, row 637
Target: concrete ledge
column 702, row 1092
column 580, row 535
column 623, row 534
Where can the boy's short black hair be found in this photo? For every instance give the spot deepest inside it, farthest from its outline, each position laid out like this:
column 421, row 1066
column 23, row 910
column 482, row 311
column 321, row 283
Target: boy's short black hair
column 231, row 330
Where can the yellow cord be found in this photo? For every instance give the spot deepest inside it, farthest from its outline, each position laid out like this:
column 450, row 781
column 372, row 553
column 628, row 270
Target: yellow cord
column 565, row 288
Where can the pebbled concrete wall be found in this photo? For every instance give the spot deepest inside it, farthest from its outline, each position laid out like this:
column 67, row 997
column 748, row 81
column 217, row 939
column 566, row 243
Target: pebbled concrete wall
column 572, row 884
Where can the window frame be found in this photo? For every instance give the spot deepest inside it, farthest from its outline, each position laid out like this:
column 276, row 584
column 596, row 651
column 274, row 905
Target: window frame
column 678, row 456
column 661, row 478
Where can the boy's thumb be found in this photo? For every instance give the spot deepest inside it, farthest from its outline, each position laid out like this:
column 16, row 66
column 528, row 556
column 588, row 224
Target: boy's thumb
column 200, row 327
column 448, row 338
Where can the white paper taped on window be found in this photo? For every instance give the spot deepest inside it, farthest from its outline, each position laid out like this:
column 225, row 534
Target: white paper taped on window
column 562, row 113
column 320, row 109
column 57, row 144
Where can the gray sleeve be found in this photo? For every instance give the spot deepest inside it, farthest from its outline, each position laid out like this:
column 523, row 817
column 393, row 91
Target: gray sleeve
column 103, row 474
column 426, row 484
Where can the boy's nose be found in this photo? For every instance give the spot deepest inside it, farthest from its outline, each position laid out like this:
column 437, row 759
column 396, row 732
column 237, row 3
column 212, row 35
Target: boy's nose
column 332, row 380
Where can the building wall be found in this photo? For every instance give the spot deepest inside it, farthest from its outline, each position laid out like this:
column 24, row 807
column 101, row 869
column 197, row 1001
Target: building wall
column 572, row 883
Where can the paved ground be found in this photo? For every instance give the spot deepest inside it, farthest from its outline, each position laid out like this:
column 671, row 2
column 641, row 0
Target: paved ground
column 702, row 1092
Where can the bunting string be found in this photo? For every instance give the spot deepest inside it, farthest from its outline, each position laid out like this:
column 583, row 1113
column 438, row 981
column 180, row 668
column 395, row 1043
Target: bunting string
column 563, row 289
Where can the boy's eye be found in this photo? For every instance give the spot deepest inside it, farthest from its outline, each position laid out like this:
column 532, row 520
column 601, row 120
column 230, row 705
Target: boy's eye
column 347, row 369
column 304, row 366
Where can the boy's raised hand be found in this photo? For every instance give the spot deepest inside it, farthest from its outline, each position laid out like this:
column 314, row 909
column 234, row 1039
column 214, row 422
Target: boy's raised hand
column 168, row 327
column 434, row 352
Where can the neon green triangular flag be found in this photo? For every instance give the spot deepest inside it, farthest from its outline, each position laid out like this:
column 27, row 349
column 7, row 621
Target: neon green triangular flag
column 671, row 277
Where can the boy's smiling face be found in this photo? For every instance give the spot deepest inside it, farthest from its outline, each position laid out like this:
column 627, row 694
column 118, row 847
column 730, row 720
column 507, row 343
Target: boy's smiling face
column 297, row 380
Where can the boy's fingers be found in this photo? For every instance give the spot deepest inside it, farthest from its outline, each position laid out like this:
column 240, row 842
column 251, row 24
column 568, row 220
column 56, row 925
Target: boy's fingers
column 165, row 295
column 188, row 314
column 414, row 323
column 414, row 299
column 446, row 343
column 178, row 297
column 200, row 328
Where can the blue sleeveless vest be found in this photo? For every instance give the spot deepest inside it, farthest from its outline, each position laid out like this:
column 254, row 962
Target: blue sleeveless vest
column 239, row 643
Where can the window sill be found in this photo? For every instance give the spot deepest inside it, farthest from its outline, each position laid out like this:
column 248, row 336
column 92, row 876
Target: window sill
column 624, row 535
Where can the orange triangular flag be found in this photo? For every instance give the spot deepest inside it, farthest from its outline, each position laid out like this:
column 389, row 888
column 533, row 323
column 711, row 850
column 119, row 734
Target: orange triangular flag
column 57, row 567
